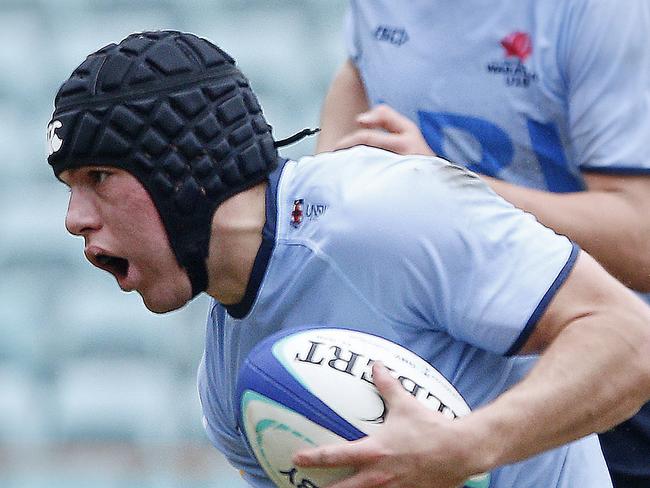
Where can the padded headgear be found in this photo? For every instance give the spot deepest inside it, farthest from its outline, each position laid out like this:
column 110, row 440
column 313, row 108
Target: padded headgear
column 174, row 111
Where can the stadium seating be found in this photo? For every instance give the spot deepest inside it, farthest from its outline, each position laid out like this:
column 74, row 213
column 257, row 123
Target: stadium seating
column 95, row 390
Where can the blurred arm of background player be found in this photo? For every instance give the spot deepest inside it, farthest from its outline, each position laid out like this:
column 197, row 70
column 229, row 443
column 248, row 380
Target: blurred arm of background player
column 610, row 220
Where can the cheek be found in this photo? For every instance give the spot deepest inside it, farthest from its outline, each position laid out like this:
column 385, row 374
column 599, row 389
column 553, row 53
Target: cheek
column 165, row 282
column 167, row 287
column 143, row 227
column 136, row 209
column 153, row 253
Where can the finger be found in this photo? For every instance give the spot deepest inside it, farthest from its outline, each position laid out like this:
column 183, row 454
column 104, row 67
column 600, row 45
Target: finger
column 384, row 117
column 373, row 138
column 365, row 479
column 389, row 388
column 349, row 454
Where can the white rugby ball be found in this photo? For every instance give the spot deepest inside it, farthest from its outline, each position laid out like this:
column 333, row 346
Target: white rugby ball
column 313, row 387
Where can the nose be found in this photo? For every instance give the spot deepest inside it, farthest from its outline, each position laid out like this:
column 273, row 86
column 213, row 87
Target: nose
column 82, row 216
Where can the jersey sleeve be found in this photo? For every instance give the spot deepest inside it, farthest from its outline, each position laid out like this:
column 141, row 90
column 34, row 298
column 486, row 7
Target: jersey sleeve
column 441, row 250
column 497, row 267
column 605, row 60
column 499, row 271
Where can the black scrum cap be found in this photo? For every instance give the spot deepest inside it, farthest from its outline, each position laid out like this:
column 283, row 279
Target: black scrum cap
column 173, row 110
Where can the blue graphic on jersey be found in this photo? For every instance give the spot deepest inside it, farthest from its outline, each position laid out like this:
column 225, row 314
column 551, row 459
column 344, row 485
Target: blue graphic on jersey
column 547, row 146
column 497, row 150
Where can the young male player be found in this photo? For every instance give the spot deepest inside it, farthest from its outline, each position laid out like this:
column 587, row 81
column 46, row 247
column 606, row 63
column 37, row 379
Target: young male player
column 177, row 189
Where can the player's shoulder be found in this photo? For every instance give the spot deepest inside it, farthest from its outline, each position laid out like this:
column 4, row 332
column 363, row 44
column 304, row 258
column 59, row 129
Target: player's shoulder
column 365, row 164
column 333, row 173
column 364, row 184
column 594, row 9
column 372, row 175
column 586, row 26
column 357, row 155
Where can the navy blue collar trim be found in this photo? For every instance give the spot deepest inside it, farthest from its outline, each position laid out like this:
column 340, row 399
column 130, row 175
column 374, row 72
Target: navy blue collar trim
column 241, row 309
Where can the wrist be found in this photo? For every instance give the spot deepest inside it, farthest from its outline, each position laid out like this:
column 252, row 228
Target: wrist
column 482, row 452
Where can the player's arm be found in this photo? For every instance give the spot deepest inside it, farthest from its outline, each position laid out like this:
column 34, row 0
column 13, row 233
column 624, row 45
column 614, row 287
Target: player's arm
column 345, row 99
column 594, row 372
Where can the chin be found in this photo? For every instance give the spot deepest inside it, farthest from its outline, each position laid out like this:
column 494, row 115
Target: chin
column 163, row 303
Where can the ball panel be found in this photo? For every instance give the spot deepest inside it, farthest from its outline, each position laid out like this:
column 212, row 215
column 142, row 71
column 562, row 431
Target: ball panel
column 263, row 373
column 478, row 481
column 268, row 424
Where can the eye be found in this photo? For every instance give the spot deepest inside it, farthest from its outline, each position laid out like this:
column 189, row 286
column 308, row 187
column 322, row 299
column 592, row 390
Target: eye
column 98, row 176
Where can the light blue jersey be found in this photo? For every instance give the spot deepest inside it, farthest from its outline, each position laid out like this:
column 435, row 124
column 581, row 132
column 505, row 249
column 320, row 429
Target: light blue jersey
column 413, row 249
column 532, row 92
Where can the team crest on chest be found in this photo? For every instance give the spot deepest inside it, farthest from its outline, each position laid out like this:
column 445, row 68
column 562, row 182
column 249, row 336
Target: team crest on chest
column 517, row 49
column 518, row 44
column 296, row 213
column 301, row 211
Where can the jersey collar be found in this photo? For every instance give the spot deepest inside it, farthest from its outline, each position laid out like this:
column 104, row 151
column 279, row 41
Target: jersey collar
column 241, row 309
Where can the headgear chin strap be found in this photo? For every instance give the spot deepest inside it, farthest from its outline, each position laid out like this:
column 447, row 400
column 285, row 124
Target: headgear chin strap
column 173, row 110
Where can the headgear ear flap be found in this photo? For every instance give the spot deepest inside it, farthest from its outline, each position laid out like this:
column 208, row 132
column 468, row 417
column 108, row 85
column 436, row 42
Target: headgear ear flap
column 173, row 110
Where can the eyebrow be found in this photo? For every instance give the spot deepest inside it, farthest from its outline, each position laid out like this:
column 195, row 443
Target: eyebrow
column 71, row 172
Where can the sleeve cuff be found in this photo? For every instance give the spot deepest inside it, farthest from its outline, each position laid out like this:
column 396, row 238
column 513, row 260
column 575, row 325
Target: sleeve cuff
column 616, row 170
column 544, row 302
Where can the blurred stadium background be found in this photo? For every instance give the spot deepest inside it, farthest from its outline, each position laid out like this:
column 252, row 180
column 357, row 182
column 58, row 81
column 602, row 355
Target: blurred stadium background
column 95, row 391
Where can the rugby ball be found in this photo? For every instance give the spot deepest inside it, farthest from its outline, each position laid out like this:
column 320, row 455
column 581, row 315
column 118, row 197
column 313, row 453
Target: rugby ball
column 311, row 387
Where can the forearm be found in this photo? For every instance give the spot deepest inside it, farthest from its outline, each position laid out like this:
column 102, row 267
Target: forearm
column 593, row 376
column 345, row 99
column 610, row 226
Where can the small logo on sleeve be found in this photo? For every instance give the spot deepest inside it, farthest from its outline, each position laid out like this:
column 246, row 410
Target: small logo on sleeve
column 54, row 142
column 391, row 34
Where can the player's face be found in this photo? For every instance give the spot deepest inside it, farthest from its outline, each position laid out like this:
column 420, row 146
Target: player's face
column 124, row 235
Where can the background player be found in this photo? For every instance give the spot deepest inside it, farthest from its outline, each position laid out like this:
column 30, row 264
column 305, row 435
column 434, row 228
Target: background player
column 549, row 101
column 177, row 189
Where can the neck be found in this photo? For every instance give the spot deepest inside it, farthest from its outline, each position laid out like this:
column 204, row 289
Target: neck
column 235, row 239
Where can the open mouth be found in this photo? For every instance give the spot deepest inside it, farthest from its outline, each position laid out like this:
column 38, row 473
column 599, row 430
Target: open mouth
column 113, row 264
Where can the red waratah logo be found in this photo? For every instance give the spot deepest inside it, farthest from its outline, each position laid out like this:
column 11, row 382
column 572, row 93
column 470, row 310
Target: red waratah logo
column 296, row 213
column 518, row 44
